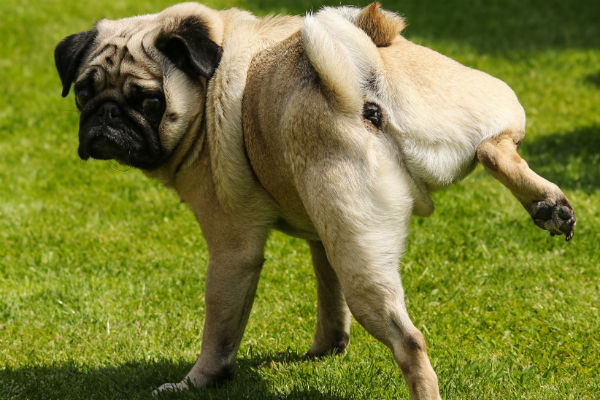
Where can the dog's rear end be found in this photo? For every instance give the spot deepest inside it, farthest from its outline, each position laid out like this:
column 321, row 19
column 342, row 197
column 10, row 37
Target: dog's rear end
column 443, row 115
column 349, row 127
column 316, row 142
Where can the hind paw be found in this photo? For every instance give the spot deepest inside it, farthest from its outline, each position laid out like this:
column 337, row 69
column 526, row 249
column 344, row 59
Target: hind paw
column 556, row 216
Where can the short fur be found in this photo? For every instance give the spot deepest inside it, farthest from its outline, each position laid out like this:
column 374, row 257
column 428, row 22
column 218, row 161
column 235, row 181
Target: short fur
column 381, row 26
column 333, row 128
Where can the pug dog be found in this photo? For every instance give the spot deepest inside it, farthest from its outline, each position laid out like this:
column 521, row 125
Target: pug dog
column 333, row 128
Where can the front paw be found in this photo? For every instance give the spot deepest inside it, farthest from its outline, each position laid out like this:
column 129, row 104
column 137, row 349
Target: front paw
column 556, row 216
column 170, row 387
column 197, row 380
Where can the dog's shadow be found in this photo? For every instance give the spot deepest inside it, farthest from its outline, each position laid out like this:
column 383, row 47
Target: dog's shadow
column 569, row 159
column 136, row 380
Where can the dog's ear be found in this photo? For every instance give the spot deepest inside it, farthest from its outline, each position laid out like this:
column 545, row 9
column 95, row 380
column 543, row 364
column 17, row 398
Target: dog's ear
column 189, row 47
column 68, row 55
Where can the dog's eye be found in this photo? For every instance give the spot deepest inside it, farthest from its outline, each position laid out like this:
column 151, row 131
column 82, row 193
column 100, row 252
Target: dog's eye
column 81, row 97
column 152, row 107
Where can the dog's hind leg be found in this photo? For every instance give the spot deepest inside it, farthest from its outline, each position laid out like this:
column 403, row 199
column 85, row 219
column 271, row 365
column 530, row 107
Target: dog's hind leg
column 374, row 293
column 545, row 202
column 364, row 253
column 357, row 196
column 333, row 317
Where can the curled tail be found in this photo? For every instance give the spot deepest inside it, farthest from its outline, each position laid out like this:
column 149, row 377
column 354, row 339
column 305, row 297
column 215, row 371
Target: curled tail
column 341, row 44
column 381, row 26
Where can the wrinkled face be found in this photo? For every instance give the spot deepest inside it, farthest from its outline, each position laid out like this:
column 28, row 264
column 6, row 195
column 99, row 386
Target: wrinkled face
column 140, row 83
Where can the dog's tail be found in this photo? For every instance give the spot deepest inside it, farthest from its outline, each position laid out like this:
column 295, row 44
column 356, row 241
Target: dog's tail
column 382, row 26
column 341, row 44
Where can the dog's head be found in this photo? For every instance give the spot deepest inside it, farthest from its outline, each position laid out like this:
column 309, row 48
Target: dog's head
column 140, row 83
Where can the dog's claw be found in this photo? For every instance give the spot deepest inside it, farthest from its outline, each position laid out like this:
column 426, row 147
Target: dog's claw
column 569, row 235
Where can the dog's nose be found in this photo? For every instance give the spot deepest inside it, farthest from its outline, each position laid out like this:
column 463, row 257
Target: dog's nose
column 110, row 111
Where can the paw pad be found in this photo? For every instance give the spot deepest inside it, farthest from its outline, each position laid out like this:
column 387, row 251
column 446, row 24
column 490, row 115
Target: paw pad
column 556, row 217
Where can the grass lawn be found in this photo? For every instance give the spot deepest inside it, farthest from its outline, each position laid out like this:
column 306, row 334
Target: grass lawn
column 102, row 270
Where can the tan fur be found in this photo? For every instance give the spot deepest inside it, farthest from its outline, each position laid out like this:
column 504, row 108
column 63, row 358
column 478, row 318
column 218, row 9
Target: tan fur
column 500, row 158
column 332, row 179
column 381, row 27
column 266, row 148
column 277, row 139
column 325, row 168
column 247, row 36
column 333, row 316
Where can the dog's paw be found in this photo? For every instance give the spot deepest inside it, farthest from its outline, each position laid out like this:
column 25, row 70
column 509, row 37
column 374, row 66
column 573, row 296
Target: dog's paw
column 317, row 353
column 170, row 387
column 321, row 348
column 556, row 216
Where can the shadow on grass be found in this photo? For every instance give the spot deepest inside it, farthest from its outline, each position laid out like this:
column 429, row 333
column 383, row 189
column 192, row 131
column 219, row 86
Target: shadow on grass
column 594, row 79
column 489, row 26
column 136, row 380
column 571, row 159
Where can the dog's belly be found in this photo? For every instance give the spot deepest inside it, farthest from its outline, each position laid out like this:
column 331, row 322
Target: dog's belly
column 276, row 180
column 289, row 228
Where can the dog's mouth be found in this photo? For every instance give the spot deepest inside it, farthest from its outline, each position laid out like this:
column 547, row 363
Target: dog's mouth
column 103, row 148
column 103, row 143
column 121, row 143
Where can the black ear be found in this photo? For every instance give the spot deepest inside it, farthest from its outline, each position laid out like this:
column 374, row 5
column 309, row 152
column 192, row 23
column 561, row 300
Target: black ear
column 68, row 55
column 188, row 46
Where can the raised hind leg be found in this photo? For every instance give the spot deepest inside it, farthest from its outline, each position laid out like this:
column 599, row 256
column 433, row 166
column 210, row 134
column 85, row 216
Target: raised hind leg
column 358, row 197
column 545, row 202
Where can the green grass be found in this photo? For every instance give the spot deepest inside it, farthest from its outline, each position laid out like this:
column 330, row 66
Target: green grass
column 102, row 270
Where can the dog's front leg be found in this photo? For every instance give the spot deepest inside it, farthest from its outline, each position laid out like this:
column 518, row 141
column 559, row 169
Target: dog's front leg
column 545, row 202
column 235, row 262
column 333, row 316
